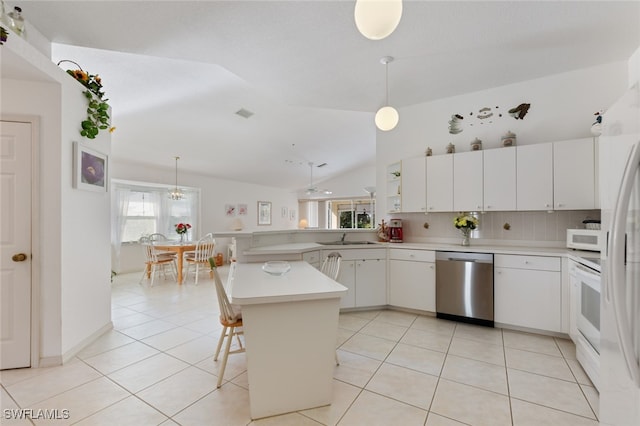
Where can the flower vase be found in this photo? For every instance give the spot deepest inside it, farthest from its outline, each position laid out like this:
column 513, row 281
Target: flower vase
column 466, row 234
column 182, row 238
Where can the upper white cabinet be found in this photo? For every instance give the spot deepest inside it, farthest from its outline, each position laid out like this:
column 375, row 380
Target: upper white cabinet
column 394, row 172
column 534, row 177
column 414, row 184
column 440, row 183
column 546, row 176
column 467, row 181
column 574, row 174
column 500, row 179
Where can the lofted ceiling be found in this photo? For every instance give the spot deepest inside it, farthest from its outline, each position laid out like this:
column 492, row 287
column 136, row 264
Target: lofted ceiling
column 176, row 72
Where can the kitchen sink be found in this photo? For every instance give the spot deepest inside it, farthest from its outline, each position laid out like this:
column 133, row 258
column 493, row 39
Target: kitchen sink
column 345, row 243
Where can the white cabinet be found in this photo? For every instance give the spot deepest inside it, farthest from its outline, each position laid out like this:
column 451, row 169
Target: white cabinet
column 394, row 173
column 574, row 174
column 499, row 170
column 414, row 185
column 467, row 181
column 363, row 272
column 528, row 291
column 440, row 183
column 412, row 279
column 312, row 258
column 534, row 187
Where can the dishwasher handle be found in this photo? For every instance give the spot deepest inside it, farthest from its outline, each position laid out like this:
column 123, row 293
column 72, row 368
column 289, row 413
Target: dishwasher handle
column 464, row 257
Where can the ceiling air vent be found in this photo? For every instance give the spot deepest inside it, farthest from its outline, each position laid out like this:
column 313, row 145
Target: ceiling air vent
column 244, row 113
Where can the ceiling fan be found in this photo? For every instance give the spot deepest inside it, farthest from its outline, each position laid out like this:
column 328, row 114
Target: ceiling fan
column 313, row 189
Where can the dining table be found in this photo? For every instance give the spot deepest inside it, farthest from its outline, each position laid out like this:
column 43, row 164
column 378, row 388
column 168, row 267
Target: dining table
column 176, row 247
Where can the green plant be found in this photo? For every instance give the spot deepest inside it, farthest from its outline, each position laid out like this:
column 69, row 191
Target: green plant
column 3, row 35
column 465, row 221
column 97, row 108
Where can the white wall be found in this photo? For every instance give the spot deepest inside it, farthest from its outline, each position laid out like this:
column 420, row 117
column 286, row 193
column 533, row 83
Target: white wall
column 73, row 244
column 347, row 185
column 562, row 107
column 215, row 194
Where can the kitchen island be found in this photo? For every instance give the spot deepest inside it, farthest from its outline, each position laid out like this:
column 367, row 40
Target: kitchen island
column 290, row 327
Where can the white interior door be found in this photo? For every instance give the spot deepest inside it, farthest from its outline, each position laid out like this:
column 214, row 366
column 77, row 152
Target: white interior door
column 15, row 245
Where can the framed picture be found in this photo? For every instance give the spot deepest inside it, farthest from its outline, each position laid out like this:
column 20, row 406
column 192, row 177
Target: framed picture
column 284, row 212
column 90, row 169
column 292, row 214
column 242, row 209
column 264, row 213
column 230, row 210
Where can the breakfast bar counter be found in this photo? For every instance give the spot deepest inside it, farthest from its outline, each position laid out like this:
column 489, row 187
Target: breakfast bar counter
column 290, row 326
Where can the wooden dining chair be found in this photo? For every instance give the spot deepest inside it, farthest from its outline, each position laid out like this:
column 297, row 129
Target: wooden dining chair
column 160, row 238
column 331, row 268
column 156, row 262
column 230, row 319
column 200, row 256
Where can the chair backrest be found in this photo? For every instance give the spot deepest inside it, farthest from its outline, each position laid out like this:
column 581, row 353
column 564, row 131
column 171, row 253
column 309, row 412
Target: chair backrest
column 150, row 252
column 227, row 312
column 331, row 265
column 205, row 248
column 157, row 237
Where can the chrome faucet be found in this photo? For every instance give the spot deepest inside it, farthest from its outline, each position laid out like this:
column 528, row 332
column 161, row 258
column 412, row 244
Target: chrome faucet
column 343, row 237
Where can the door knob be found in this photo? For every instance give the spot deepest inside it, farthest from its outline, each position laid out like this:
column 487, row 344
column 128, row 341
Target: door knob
column 20, row 257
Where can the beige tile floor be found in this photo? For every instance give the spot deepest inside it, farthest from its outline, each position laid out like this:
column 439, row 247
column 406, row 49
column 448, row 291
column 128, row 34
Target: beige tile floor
column 396, row 368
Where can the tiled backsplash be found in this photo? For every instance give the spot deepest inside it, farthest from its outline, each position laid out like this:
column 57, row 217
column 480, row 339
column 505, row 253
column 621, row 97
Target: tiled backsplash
column 523, row 226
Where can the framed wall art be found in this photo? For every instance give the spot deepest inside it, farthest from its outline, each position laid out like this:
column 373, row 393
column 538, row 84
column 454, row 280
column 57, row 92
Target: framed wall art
column 90, row 169
column 242, row 209
column 264, row 213
column 230, row 209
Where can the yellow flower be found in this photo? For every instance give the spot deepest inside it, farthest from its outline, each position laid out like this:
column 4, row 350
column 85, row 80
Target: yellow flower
column 112, row 129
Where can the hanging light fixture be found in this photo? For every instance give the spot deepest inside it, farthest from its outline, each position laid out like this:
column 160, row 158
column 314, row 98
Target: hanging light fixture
column 175, row 193
column 376, row 19
column 387, row 117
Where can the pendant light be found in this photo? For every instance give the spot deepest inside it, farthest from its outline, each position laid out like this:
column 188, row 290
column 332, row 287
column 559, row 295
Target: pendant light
column 377, row 19
column 176, row 194
column 387, row 117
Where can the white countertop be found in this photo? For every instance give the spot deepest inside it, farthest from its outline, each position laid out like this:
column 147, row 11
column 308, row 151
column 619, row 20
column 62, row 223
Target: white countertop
column 251, row 285
column 297, row 248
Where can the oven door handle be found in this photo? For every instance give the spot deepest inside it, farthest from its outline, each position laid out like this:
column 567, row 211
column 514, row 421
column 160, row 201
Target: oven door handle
column 616, row 271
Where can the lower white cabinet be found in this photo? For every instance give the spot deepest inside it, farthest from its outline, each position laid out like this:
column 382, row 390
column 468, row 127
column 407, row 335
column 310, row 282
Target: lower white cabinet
column 528, row 291
column 312, row 258
column 412, row 275
column 363, row 272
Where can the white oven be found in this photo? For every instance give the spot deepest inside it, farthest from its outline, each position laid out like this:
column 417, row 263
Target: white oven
column 585, row 279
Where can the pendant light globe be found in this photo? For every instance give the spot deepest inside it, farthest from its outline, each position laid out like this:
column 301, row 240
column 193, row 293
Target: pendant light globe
column 377, row 19
column 387, row 118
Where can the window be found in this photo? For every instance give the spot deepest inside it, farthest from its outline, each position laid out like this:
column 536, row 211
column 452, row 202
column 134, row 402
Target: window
column 356, row 213
column 144, row 209
column 140, row 218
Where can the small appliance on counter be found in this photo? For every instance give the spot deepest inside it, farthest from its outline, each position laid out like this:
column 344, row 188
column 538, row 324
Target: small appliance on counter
column 586, row 239
column 395, row 231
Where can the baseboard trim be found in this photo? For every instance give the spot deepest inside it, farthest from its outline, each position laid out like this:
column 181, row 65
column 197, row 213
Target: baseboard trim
column 68, row 355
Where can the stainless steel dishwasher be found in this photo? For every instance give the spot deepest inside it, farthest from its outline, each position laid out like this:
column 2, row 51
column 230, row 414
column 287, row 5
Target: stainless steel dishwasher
column 464, row 287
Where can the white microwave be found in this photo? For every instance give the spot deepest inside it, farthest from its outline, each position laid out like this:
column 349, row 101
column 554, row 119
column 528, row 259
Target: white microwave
column 586, row 239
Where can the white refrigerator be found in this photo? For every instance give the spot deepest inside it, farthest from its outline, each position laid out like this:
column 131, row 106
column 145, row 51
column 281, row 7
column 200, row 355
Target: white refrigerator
column 619, row 177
